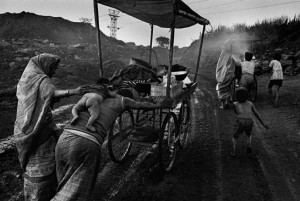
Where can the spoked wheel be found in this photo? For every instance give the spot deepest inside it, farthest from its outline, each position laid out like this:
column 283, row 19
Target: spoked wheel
column 253, row 90
column 167, row 144
column 118, row 144
column 144, row 115
column 184, row 121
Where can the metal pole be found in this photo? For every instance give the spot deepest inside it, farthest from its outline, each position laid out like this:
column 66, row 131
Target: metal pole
column 150, row 49
column 98, row 37
column 199, row 54
column 171, row 48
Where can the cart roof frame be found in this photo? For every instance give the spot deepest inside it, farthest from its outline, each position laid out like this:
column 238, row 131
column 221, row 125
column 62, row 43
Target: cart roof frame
column 157, row 12
column 164, row 13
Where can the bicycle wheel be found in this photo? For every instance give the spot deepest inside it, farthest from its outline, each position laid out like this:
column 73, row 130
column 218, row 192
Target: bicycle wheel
column 144, row 115
column 167, row 144
column 184, row 121
column 118, row 144
column 253, row 91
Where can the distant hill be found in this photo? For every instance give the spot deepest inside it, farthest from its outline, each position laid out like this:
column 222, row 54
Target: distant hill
column 56, row 29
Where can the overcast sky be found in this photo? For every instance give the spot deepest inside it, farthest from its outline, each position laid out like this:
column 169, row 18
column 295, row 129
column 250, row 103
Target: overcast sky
column 218, row 12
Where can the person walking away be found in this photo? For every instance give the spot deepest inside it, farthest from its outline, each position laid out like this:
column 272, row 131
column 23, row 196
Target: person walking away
column 276, row 78
column 248, row 67
column 244, row 121
column 78, row 151
column 34, row 127
column 92, row 101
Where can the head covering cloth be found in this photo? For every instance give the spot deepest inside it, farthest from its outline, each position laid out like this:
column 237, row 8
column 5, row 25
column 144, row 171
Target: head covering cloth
column 35, row 91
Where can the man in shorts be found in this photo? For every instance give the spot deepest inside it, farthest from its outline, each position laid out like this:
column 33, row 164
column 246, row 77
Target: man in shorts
column 244, row 120
column 276, row 78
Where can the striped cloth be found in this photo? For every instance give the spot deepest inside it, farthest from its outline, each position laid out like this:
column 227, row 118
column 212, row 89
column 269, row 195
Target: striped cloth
column 33, row 130
column 78, row 161
column 34, row 92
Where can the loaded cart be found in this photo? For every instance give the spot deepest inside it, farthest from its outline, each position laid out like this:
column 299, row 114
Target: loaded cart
column 168, row 127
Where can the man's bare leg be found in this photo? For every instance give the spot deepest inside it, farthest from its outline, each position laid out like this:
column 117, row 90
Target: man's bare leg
column 75, row 115
column 276, row 96
column 80, row 105
column 270, row 94
column 94, row 112
column 249, row 150
column 233, row 153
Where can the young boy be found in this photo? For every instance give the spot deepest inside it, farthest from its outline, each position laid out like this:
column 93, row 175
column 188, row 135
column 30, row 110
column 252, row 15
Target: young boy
column 91, row 101
column 276, row 78
column 248, row 67
column 244, row 122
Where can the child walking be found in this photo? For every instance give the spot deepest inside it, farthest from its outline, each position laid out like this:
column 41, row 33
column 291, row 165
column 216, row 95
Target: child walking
column 276, row 78
column 92, row 101
column 244, row 121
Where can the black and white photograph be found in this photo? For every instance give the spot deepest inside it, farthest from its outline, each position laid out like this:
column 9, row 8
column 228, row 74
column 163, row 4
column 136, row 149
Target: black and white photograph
column 150, row 100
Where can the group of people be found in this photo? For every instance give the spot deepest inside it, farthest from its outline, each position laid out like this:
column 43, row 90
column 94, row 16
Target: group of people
column 244, row 108
column 63, row 167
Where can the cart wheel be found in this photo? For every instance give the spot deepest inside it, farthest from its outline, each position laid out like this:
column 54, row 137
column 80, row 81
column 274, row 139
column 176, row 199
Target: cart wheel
column 142, row 115
column 253, row 91
column 232, row 92
column 184, row 121
column 167, row 144
column 118, row 144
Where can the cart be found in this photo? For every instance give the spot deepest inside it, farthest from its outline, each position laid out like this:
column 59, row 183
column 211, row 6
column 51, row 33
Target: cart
column 170, row 126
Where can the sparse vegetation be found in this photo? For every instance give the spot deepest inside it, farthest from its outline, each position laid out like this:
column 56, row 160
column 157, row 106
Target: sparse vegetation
column 163, row 41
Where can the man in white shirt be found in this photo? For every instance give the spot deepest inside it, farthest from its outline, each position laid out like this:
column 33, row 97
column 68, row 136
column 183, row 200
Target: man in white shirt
column 276, row 78
column 248, row 67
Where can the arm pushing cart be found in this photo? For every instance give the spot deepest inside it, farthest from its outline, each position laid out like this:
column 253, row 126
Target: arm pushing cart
column 171, row 128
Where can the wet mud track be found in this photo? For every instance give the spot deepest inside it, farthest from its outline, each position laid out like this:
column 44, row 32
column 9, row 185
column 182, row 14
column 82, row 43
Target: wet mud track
column 203, row 169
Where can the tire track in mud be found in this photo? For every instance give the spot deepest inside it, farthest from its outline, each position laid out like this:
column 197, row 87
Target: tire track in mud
column 196, row 174
column 242, row 177
column 280, row 154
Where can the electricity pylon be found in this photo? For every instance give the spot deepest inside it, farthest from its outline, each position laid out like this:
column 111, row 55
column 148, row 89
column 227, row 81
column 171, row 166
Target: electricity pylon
column 113, row 22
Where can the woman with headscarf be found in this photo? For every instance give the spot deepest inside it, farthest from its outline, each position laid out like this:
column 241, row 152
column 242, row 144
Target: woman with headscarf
column 34, row 127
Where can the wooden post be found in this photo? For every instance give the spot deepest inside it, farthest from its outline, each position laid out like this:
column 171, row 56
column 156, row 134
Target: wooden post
column 98, row 37
column 175, row 3
column 151, row 39
column 199, row 54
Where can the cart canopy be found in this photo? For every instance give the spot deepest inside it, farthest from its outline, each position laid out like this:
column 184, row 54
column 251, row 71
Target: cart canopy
column 157, row 12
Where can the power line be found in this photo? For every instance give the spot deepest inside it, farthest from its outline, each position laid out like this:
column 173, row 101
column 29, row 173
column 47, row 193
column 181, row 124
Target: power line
column 193, row 2
column 232, row 2
column 251, row 8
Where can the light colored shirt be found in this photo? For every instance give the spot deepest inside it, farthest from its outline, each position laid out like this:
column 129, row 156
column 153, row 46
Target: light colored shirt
column 248, row 67
column 277, row 73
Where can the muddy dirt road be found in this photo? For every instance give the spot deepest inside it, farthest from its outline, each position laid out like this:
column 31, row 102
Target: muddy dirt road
column 204, row 170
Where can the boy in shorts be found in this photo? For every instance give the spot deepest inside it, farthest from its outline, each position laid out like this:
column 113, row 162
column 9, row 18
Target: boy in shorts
column 244, row 121
column 276, row 78
column 91, row 101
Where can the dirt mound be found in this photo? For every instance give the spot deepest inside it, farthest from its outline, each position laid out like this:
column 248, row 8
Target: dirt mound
column 56, row 29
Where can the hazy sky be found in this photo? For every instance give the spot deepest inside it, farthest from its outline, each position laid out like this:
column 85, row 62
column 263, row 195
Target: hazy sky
column 218, row 12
